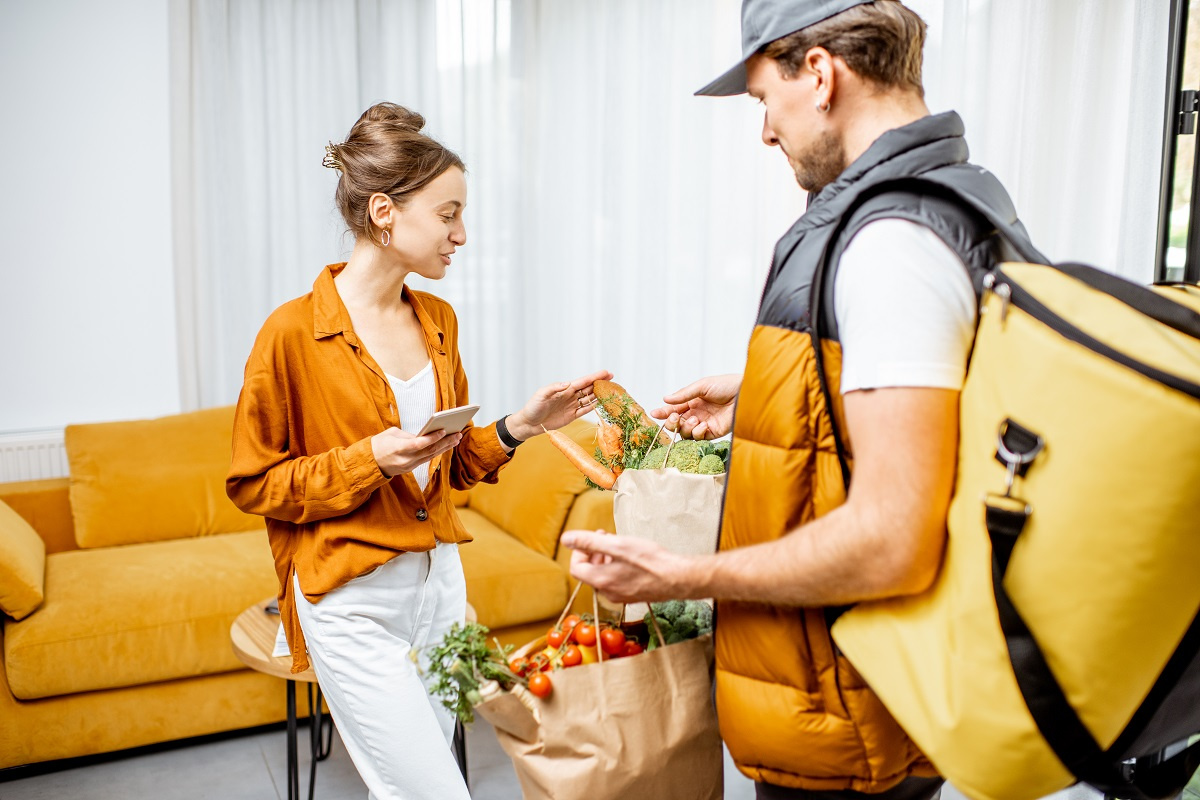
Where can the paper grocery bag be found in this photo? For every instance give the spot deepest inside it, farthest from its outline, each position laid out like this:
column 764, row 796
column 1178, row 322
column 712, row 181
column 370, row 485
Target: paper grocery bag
column 641, row 726
column 680, row 511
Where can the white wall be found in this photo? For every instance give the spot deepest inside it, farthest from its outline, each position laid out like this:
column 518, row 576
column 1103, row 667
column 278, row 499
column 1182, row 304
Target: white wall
column 86, row 288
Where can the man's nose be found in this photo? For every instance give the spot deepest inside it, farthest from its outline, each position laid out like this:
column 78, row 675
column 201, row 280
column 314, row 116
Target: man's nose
column 768, row 135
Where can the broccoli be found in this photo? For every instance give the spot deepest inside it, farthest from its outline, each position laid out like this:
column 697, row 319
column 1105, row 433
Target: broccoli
column 671, row 609
column 711, row 465
column 685, row 456
column 654, row 459
column 680, row 620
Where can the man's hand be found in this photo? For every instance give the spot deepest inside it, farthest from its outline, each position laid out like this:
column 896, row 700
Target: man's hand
column 626, row 569
column 703, row 409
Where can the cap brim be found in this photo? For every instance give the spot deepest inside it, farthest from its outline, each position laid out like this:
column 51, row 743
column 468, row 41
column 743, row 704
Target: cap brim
column 731, row 83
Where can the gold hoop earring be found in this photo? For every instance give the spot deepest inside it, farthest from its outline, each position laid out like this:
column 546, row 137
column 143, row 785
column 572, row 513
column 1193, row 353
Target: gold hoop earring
column 387, row 237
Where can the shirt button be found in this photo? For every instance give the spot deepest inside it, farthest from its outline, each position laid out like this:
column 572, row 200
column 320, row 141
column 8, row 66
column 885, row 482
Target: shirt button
column 422, row 514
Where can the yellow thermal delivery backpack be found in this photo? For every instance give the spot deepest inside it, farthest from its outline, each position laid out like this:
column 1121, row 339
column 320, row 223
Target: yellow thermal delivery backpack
column 1059, row 640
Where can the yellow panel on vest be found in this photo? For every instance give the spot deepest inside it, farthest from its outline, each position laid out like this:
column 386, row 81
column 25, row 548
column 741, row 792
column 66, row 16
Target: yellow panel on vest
column 792, row 712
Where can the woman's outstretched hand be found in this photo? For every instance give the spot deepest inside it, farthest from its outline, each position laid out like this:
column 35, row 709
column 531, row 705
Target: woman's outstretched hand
column 703, row 409
column 555, row 405
column 399, row 451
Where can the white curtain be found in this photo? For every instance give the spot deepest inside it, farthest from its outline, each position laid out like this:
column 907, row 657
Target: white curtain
column 1064, row 102
column 614, row 220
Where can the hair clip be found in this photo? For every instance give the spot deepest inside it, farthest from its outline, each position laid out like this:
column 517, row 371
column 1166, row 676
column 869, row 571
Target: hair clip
column 331, row 159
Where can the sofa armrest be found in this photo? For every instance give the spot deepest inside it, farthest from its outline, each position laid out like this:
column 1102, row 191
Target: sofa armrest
column 46, row 506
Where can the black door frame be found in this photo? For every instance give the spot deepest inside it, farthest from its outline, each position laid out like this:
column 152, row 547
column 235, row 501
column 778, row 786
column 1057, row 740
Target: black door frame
column 1181, row 108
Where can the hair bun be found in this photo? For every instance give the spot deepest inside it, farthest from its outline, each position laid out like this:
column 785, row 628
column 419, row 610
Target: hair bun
column 393, row 114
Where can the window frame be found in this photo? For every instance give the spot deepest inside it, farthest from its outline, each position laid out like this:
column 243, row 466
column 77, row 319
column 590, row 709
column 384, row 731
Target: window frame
column 1180, row 109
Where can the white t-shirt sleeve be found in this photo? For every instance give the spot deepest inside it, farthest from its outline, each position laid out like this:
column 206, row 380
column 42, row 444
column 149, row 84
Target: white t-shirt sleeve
column 905, row 309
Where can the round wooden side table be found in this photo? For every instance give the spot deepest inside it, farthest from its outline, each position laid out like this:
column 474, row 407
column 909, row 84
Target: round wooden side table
column 253, row 637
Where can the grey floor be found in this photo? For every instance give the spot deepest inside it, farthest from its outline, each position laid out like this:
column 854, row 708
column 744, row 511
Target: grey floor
column 253, row 767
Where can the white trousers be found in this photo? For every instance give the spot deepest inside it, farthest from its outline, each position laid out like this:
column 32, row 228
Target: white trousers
column 360, row 639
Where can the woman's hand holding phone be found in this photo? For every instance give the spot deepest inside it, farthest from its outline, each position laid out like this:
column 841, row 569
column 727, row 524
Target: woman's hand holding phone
column 399, row 451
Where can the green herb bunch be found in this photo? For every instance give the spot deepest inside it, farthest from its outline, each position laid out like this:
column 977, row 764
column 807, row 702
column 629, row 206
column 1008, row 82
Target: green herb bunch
column 638, row 438
column 462, row 662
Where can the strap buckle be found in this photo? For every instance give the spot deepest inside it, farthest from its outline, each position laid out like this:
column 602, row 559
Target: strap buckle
column 1016, row 448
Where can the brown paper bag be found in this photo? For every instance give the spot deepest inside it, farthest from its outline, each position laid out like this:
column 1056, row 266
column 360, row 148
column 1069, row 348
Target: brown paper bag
column 642, row 726
column 680, row 511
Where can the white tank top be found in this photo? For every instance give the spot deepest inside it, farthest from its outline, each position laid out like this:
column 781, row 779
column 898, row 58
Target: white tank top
column 416, row 401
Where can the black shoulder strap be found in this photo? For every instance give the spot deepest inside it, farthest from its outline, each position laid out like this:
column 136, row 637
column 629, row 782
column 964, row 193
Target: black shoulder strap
column 1014, row 236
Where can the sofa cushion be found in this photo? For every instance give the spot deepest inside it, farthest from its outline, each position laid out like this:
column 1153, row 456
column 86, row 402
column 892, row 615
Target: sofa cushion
column 22, row 565
column 536, row 489
column 507, row 583
column 155, row 479
column 125, row 616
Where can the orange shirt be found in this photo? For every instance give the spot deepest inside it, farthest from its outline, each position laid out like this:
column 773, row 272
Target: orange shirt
column 312, row 399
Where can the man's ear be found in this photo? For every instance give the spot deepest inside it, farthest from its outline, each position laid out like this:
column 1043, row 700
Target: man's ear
column 382, row 209
column 819, row 68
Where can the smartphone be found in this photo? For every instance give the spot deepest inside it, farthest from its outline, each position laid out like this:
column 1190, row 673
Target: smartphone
column 452, row 420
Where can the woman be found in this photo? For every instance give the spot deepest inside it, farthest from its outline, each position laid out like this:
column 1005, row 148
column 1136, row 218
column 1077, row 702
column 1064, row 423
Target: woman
column 358, row 507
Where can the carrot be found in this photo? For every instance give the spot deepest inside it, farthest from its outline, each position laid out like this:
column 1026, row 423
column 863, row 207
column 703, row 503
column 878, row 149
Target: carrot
column 612, row 442
column 612, row 399
column 582, row 460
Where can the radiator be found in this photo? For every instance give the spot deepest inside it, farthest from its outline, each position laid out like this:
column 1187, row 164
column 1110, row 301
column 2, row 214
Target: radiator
column 32, row 455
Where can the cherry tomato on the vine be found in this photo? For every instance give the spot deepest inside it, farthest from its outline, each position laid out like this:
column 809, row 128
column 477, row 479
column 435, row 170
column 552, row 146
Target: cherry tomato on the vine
column 519, row 666
column 585, row 634
column 540, row 686
column 632, row 649
column 555, row 638
column 572, row 657
column 612, row 641
column 569, row 622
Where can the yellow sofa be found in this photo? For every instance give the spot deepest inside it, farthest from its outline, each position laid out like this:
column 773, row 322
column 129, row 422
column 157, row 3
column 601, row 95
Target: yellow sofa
column 120, row 583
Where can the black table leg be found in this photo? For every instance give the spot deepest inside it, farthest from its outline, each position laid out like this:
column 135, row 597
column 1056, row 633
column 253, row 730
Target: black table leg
column 320, row 739
column 293, row 768
column 323, row 742
column 319, row 744
column 459, row 746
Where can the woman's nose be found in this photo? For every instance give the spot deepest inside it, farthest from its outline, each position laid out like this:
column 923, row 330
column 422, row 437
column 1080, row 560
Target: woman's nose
column 459, row 234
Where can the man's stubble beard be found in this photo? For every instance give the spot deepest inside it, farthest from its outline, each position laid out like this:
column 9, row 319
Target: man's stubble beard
column 821, row 164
